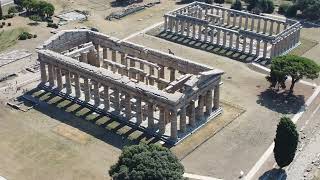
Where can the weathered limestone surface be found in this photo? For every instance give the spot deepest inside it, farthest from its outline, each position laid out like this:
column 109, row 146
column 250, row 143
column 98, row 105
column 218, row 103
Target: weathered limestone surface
column 166, row 94
column 218, row 25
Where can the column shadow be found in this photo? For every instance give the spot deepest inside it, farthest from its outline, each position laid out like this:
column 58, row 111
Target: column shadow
column 216, row 49
column 105, row 128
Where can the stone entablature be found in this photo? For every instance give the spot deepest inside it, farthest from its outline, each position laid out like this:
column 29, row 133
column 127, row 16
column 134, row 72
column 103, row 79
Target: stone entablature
column 167, row 95
column 240, row 31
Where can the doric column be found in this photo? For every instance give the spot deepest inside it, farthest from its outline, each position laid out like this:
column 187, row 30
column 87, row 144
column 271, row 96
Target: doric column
column 116, row 103
column 228, row 18
column 172, row 74
column 265, row 23
column 176, row 26
column 106, row 98
column 259, row 25
column 251, row 45
column 272, row 51
column 86, row 89
column 224, row 38
column 182, row 27
column 265, row 49
column 165, row 23
column 91, row 57
column 162, row 121
column 208, row 104
column 252, row 23
column 128, row 106
column 84, row 57
column 183, row 114
column 218, row 36
column 240, row 21
column 258, row 47
column 206, row 34
column 278, row 27
column 68, row 82
column 200, row 108
column 234, row 19
column 244, row 44
column 174, row 131
column 246, row 23
column 150, row 115
column 161, row 71
column 51, row 78
column 114, row 55
column 43, row 72
column 216, row 98
column 151, row 73
column 200, row 32
column 230, row 39
column 192, row 113
column 139, row 113
column 59, row 79
column 77, row 85
column 96, row 93
column 237, row 42
column 188, row 29
column 193, row 30
column 271, row 28
column 105, row 53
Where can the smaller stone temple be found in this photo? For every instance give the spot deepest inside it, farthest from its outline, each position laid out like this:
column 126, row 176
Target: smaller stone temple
column 165, row 95
column 240, row 31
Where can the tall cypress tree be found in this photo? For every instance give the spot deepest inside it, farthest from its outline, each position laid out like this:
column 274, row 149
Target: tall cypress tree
column 286, row 142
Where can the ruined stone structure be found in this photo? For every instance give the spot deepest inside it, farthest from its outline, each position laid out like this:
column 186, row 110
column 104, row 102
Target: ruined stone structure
column 164, row 94
column 236, row 30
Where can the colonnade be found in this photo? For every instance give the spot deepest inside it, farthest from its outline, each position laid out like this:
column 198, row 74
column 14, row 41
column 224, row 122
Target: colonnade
column 237, row 30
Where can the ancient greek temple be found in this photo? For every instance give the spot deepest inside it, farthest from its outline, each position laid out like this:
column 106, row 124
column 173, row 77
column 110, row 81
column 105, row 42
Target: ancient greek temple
column 243, row 32
column 164, row 94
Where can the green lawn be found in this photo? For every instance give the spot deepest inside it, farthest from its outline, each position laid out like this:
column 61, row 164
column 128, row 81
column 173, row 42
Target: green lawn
column 9, row 38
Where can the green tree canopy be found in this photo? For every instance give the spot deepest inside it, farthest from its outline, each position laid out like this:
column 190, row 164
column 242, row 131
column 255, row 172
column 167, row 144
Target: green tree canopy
column 140, row 162
column 294, row 66
column 286, row 142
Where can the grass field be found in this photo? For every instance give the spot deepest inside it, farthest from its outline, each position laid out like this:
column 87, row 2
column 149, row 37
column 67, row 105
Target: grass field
column 9, row 38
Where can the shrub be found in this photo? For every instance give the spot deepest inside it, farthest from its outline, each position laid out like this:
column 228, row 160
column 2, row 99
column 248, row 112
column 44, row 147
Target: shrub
column 266, row 6
column 283, row 8
column 35, row 36
column 3, row 23
column 236, row 5
column 1, row 26
column 12, row 10
column 286, row 142
column 9, row 24
column 52, row 25
column 23, row 36
column 219, row 1
column 35, row 18
column 30, row 36
column 8, row 16
column 291, row 11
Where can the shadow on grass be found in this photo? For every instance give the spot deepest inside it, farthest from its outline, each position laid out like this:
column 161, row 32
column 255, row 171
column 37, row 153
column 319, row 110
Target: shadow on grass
column 274, row 174
column 106, row 129
column 227, row 52
column 281, row 102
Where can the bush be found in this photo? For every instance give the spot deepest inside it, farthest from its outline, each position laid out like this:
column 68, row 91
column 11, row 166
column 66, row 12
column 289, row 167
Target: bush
column 53, row 25
column 30, row 36
column 9, row 24
column 35, row 36
column 283, row 8
column 23, row 36
column 12, row 10
column 146, row 162
column 8, row 16
column 286, row 142
column 266, row 6
column 236, row 5
column 3, row 23
column 1, row 26
column 35, row 18
column 291, row 11
column 219, row 1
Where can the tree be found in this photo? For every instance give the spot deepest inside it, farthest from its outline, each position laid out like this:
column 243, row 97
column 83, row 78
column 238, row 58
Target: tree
column 1, row 14
column 142, row 161
column 266, row 6
column 294, row 66
column 219, row 1
column 291, row 11
column 49, row 9
column 286, row 142
column 236, row 5
column 310, row 8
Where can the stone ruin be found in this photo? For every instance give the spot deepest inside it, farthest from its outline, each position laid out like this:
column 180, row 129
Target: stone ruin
column 265, row 37
column 167, row 96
